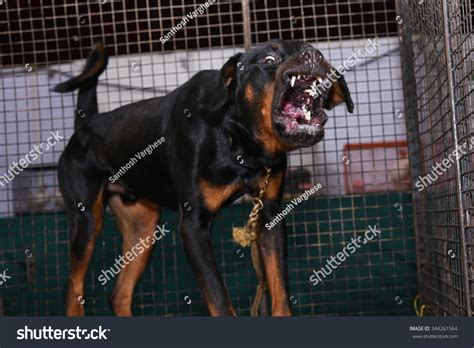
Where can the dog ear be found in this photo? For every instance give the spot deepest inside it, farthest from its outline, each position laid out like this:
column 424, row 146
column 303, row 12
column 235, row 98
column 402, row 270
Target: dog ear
column 216, row 92
column 339, row 93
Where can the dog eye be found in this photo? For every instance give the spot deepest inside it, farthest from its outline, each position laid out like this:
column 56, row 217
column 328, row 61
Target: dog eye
column 269, row 60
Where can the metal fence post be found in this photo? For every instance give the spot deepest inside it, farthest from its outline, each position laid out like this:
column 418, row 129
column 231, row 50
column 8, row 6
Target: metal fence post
column 450, row 67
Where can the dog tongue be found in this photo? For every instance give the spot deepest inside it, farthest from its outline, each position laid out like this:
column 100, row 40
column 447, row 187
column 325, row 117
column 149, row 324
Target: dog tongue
column 293, row 111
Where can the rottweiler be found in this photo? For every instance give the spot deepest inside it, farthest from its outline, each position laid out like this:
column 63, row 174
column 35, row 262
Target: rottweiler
column 202, row 146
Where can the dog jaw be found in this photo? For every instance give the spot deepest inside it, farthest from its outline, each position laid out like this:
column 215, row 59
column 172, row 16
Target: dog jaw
column 270, row 140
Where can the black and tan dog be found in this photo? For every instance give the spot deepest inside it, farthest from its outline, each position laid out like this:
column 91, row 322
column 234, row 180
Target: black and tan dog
column 221, row 130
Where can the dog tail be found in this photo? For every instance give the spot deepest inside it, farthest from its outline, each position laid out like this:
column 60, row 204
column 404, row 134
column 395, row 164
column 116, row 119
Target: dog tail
column 87, row 84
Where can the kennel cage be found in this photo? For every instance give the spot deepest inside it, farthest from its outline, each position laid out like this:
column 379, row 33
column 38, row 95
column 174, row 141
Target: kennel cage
column 437, row 55
column 362, row 165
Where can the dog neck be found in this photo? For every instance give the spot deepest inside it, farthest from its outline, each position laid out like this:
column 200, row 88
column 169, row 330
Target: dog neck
column 246, row 148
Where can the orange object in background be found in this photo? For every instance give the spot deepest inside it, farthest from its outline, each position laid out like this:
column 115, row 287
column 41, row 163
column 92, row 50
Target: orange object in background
column 376, row 167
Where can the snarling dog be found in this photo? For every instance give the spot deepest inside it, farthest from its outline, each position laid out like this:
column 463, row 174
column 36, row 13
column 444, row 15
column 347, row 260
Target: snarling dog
column 218, row 134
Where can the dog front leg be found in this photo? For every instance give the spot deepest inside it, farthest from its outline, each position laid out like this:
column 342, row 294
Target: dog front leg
column 272, row 248
column 194, row 228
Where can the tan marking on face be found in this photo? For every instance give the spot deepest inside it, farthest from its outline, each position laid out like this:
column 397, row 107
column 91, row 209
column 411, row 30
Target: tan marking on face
column 216, row 195
column 270, row 140
column 249, row 93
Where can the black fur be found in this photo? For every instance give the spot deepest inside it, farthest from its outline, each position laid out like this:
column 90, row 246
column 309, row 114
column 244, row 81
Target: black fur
column 212, row 131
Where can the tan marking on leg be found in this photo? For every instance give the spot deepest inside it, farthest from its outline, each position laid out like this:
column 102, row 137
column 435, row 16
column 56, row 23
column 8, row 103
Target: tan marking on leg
column 214, row 312
column 215, row 196
column 276, row 285
column 137, row 222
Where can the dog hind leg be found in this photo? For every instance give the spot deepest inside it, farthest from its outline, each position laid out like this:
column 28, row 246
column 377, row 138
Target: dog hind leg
column 137, row 222
column 82, row 190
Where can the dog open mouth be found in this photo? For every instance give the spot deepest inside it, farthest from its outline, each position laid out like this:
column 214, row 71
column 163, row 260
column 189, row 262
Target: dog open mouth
column 299, row 113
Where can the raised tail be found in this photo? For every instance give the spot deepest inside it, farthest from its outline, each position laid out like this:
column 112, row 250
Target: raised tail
column 87, row 84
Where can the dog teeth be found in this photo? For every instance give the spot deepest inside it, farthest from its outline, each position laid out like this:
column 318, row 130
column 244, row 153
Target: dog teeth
column 293, row 80
column 313, row 91
column 310, row 92
column 307, row 113
column 320, row 80
column 298, row 77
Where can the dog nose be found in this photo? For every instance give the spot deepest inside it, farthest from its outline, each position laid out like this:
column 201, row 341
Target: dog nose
column 311, row 54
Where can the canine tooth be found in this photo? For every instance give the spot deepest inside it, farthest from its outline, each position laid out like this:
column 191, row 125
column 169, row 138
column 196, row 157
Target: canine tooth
column 298, row 77
column 293, row 79
column 307, row 115
column 320, row 80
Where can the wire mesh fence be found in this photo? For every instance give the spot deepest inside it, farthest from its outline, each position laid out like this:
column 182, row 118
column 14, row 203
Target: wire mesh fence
column 437, row 59
column 362, row 164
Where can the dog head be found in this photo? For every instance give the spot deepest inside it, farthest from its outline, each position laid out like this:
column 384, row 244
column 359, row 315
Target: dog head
column 280, row 89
